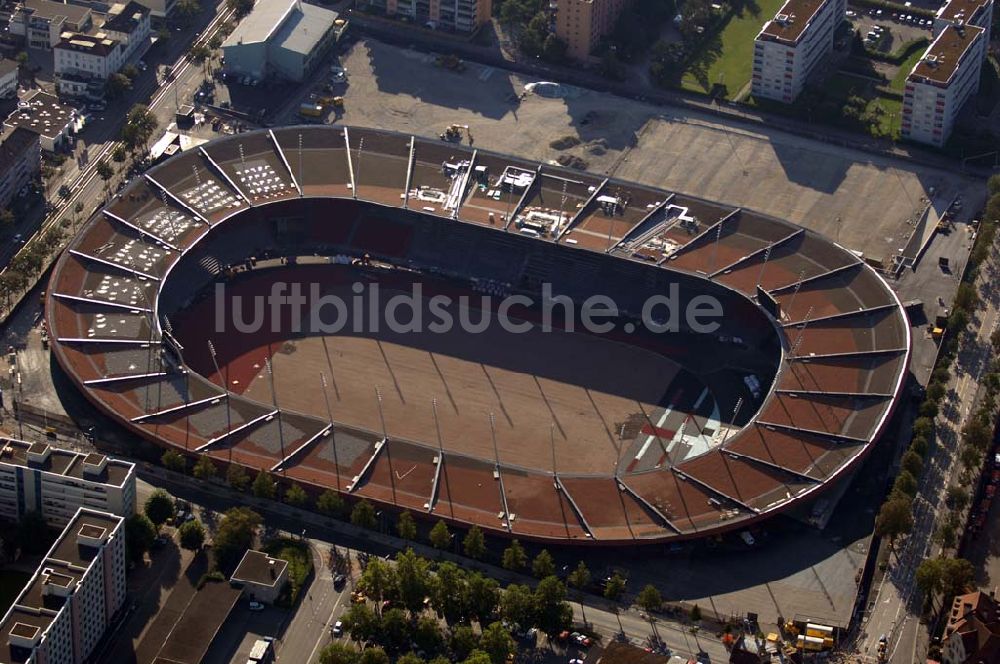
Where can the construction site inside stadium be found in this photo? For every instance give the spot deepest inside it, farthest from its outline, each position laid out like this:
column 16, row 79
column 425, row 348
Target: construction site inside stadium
column 625, row 434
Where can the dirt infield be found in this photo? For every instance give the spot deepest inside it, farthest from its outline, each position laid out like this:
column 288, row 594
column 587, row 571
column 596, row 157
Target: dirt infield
column 558, row 394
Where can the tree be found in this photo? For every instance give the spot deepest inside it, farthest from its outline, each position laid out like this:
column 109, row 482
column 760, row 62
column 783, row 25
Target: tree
column 993, row 185
column 406, row 527
column 363, row 515
column 440, row 536
column 33, row 533
column 895, row 518
column 695, row 614
column 649, row 598
column 139, row 536
column 929, row 576
column 192, row 535
column 553, row 612
column 22, row 59
column 905, row 484
column 187, row 9
column 395, row 631
column 330, row 503
column 159, row 507
column 514, row 557
column 378, row 581
column 410, row 658
column 483, row 597
column 199, row 53
column 296, row 496
column 554, row 49
column 474, row 543
column 543, row 565
column 236, row 533
column 215, row 42
column 130, row 71
column 204, row 469
column 517, row 605
column 117, row 85
column 140, row 123
column 338, row 653
column 477, row 657
column 449, row 592
column 615, row 587
column 463, row 641
column 497, row 642
column 427, row 634
column 361, row 622
column 956, row 497
column 912, row 463
column 374, row 656
column 936, row 391
column 579, row 578
column 171, row 459
column 241, row 7
column 413, row 580
column 237, row 477
column 264, row 486
column 957, row 575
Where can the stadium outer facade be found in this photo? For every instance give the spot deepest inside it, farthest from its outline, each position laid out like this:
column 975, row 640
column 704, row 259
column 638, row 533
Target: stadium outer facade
column 844, row 336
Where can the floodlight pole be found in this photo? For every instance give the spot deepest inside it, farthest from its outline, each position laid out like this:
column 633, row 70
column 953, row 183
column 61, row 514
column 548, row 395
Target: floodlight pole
column 274, row 399
column 552, row 442
column 736, row 410
column 798, row 285
column 385, row 441
column 225, row 386
column 767, row 255
column 333, row 429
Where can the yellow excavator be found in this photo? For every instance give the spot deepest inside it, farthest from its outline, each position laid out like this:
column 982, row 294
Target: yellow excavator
column 455, row 132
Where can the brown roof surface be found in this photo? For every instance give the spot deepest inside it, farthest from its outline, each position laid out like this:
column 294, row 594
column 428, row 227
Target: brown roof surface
column 962, row 10
column 942, row 58
column 260, row 568
column 832, row 396
column 791, row 20
column 64, row 462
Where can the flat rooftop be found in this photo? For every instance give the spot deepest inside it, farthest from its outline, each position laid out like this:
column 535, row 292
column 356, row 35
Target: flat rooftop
column 790, row 22
column 942, row 58
column 89, row 524
column 65, row 462
column 962, row 10
column 42, row 113
column 52, row 10
column 260, row 568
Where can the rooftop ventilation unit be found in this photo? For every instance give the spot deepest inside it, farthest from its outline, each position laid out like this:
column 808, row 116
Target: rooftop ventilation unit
column 783, row 19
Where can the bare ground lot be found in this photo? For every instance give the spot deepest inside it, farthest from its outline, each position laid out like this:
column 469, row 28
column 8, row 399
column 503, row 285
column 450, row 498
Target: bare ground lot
column 863, row 201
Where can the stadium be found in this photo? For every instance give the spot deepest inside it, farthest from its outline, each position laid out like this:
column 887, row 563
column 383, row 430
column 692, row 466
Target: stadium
column 555, row 433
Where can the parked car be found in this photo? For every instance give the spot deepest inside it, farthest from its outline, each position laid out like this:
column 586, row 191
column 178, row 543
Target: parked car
column 339, row 581
column 256, row 606
column 338, row 629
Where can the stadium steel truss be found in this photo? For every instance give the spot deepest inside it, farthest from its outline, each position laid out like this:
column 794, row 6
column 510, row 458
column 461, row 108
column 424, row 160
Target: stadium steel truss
column 844, row 338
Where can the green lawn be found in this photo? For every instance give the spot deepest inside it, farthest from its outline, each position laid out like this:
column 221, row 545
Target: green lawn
column 300, row 565
column 899, row 80
column 11, row 583
column 727, row 57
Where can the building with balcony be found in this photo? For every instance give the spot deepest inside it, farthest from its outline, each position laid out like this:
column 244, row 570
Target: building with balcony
column 581, row 24
column 45, row 115
column 129, row 25
column 8, row 78
column 42, row 22
column 941, row 82
column 56, row 482
column 75, row 594
column 462, row 16
column 20, row 161
column 791, row 45
column 83, row 64
column 282, row 38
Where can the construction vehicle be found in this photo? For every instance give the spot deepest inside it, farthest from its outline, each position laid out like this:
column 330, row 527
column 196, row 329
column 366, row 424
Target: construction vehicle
column 455, row 132
column 311, row 110
column 452, row 62
column 331, row 102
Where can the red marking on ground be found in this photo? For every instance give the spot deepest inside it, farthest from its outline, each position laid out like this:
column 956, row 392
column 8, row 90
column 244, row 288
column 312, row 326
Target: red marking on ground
column 631, row 465
column 650, row 430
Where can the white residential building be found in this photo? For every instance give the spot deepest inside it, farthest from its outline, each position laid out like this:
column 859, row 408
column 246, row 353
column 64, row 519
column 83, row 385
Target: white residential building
column 56, row 482
column 789, row 46
column 41, row 22
column 941, row 82
column 128, row 25
column 83, row 63
column 8, row 78
column 45, row 115
column 20, row 162
column 965, row 12
column 73, row 597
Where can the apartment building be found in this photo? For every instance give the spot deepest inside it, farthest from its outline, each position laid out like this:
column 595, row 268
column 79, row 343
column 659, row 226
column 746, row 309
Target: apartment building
column 56, row 482
column 46, row 116
column 581, row 24
column 73, row 597
column 463, row 16
column 42, row 22
column 965, row 12
column 791, row 45
column 972, row 634
column 20, row 162
column 83, row 63
column 129, row 25
column 941, row 82
column 8, row 78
